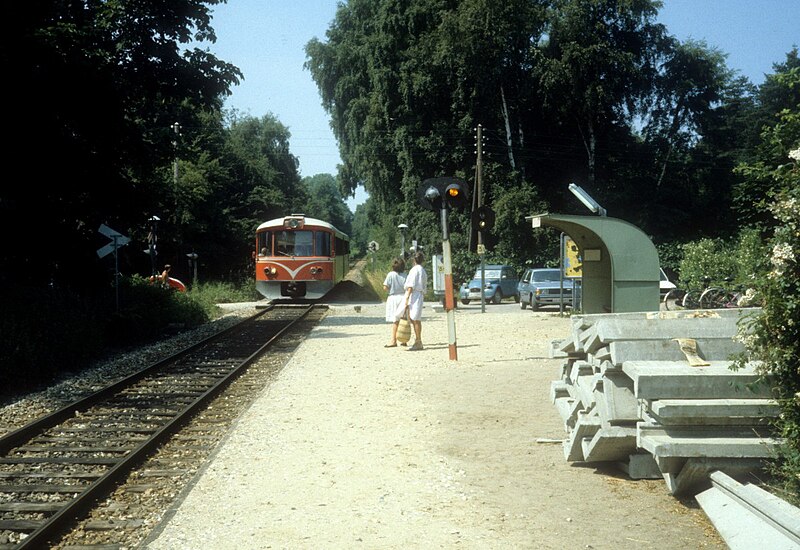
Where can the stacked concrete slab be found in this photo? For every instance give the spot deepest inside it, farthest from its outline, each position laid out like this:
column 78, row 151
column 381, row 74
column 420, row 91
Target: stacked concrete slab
column 628, row 393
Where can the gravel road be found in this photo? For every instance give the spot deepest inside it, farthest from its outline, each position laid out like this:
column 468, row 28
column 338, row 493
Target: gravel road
column 357, row 445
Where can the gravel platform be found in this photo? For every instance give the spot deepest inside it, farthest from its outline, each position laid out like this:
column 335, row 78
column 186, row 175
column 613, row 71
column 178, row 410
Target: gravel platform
column 355, row 445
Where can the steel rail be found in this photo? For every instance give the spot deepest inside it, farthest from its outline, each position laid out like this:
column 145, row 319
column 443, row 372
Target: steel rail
column 55, row 524
column 22, row 434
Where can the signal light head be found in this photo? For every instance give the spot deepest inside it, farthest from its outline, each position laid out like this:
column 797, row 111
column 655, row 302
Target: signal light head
column 438, row 193
column 483, row 218
column 432, row 194
column 455, row 195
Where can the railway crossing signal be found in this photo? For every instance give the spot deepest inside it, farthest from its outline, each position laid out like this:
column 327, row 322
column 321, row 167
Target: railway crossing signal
column 483, row 218
column 442, row 193
column 117, row 240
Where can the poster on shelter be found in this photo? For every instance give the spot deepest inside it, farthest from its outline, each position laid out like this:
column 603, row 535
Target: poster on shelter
column 572, row 260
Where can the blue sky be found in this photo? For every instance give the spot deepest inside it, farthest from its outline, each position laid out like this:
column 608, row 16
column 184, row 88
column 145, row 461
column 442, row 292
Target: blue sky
column 266, row 41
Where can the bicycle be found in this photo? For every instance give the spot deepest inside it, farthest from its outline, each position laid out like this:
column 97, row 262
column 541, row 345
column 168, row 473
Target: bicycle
column 678, row 298
column 721, row 298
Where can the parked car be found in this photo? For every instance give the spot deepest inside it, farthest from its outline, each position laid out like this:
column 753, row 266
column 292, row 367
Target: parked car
column 542, row 287
column 500, row 281
column 664, row 285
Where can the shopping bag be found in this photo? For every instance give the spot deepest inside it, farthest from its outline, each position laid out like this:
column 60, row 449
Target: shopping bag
column 404, row 329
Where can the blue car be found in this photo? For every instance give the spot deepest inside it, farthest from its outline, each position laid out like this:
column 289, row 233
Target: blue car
column 500, row 281
column 542, row 287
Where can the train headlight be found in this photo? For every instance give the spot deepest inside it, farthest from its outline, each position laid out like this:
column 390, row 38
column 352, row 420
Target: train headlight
column 295, row 221
column 270, row 271
column 316, row 270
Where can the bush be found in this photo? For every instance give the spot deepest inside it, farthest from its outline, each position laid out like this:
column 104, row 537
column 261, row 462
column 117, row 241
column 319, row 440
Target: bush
column 774, row 336
column 741, row 260
column 210, row 294
column 47, row 332
column 148, row 311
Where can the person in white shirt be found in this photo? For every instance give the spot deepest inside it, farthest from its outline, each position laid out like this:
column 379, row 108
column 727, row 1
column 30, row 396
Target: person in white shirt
column 393, row 284
column 415, row 285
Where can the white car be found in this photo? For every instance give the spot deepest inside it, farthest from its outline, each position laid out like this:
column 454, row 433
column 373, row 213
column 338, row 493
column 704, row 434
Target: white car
column 664, row 285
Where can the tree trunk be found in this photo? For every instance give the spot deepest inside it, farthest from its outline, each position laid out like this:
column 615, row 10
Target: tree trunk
column 509, row 143
column 591, row 145
column 673, row 131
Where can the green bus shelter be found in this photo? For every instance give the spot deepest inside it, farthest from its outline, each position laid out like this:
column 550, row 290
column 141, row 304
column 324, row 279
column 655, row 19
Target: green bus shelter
column 620, row 262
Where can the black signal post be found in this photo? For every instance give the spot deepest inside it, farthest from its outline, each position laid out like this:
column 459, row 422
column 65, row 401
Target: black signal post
column 444, row 194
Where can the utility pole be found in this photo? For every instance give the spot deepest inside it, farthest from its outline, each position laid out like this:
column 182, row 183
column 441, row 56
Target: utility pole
column 177, row 129
column 477, row 203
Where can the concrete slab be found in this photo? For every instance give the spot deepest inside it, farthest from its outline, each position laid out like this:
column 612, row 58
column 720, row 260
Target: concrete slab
column 586, row 385
column 674, row 380
column 590, row 340
column 591, row 318
column 619, row 402
column 740, row 528
column 775, row 511
column 579, row 368
column 560, row 348
column 567, row 410
column 640, row 466
column 602, row 354
column 609, row 444
column 687, row 445
column 558, row 389
column 711, row 349
column 610, row 330
column 696, row 472
column 587, row 425
column 722, row 412
column 669, row 464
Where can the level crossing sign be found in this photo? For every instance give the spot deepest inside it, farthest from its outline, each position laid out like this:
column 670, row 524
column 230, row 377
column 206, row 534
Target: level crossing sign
column 117, row 240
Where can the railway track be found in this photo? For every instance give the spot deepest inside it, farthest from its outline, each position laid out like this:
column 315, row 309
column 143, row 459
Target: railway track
column 55, row 470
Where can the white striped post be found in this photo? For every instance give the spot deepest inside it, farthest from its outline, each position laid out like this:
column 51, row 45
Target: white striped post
column 449, row 301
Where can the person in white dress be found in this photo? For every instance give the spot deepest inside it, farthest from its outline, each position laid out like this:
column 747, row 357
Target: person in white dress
column 393, row 284
column 415, row 286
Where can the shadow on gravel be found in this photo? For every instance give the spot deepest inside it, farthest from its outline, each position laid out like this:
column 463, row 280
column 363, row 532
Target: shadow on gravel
column 348, row 291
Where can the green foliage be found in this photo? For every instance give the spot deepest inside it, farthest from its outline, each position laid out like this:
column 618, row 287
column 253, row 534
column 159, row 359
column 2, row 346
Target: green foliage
column 326, row 203
column 147, row 311
column 669, row 256
column 220, row 292
column 741, row 260
column 566, row 90
column 46, row 333
column 770, row 172
column 774, row 335
column 98, row 88
column 706, row 258
column 772, row 186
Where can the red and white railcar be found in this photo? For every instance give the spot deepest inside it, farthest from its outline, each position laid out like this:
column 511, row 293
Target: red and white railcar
column 299, row 257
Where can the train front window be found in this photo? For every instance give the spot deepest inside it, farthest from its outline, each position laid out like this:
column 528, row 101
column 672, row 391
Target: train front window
column 294, row 243
column 323, row 243
column 264, row 243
